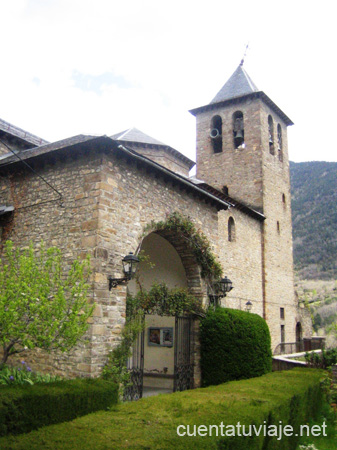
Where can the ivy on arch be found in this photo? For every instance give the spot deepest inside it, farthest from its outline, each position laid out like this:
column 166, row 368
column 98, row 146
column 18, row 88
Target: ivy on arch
column 195, row 240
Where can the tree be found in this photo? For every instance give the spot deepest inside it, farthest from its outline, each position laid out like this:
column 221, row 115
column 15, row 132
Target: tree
column 42, row 305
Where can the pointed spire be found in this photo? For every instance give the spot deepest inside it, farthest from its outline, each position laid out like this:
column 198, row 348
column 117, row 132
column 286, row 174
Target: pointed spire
column 239, row 84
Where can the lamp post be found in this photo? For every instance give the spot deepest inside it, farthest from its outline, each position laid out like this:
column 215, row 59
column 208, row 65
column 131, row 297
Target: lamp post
column 249, row 306
column 130, row 264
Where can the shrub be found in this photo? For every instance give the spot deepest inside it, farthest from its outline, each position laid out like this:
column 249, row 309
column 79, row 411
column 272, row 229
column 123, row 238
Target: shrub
column 234, row 345
column 322, row 360
column 291, row 397
column 25, row 408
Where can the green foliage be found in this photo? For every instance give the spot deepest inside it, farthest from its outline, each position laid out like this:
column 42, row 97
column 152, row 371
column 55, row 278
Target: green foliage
column 293, row 397
column 158, row 300
column 41, row 305
column 24, row 375
column 314, row 214
column 163, row 301
column 234, row 345
column 317, row 322
column 195, row 240
column 25, row 408
column 322, row 360
column 115, row 367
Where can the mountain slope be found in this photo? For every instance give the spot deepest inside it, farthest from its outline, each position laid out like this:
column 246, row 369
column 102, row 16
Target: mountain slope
column 314, row 214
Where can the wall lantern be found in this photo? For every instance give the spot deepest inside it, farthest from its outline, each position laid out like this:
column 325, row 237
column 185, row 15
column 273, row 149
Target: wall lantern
column 221, row 289
column 249, row 306
column 130, row 264
column 224, row 286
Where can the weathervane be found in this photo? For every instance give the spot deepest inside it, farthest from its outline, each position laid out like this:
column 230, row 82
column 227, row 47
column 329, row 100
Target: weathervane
column 244, row 56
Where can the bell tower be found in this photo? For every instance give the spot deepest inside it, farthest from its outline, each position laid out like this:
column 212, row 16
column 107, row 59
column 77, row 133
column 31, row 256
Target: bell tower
column 240, row 133
column 242, row 150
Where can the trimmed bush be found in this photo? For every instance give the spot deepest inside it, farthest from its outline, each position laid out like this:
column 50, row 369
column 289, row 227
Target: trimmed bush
column 293, row 397
column 25, row 408
column 234, row 345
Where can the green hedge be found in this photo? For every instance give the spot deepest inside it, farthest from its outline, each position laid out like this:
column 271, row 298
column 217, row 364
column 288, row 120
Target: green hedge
column 234, row 345
column 293, row 397
column 25, row 408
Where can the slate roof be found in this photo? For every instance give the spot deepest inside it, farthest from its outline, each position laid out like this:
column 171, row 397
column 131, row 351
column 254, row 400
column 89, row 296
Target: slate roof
column 133, row 135
column 193, row 184
column 239, row 84
column 9, row 158
column 239, row 87
column 22, row 134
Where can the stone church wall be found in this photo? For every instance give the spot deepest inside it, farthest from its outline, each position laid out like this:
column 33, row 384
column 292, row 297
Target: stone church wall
column 71, row 227
column 105, row 205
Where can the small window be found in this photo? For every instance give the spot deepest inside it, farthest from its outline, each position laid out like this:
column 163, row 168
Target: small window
column 231, row 229
column 238, row 130
column 282, row 313
column 279, row 143
column 271, row 135
column 284, row 199
column 278, row 227
column 216, row 134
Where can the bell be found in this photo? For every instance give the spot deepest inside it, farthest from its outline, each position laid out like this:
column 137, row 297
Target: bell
column 238, row 138
column 239, row 135
column 215, row 134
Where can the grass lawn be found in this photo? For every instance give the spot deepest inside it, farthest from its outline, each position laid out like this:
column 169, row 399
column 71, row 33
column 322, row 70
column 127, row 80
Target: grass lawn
column 151, row 423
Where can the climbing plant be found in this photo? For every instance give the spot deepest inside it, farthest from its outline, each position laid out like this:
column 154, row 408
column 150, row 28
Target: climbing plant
column 161, row 300
column 195, row 239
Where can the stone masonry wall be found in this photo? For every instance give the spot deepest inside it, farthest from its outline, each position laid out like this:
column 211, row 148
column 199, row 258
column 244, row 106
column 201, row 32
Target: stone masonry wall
column 106, row 202
column 163, row 157
column 71, row 227
column 278, row 235
column 130, row 199
column 241, row 259
column 238, row 169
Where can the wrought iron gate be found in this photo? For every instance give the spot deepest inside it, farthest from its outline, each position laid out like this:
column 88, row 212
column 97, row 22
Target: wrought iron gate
column 135, row 365
column 183, row 361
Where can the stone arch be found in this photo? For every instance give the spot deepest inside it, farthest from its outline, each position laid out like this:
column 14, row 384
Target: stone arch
column 166, row 249
column 193, row 279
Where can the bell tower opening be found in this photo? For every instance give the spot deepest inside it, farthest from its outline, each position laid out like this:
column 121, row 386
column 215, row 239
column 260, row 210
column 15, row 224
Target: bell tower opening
column 238, row 130
column 216, row 134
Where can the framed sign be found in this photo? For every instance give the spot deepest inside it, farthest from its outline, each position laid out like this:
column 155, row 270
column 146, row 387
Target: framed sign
column 161, row 336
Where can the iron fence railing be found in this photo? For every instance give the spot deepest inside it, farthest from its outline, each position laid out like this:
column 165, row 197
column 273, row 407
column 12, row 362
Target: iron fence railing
column 305, row 345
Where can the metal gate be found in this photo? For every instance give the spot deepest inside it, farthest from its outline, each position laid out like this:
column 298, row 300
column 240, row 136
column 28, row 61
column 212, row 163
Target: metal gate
column 183, row 361
column 135, row 365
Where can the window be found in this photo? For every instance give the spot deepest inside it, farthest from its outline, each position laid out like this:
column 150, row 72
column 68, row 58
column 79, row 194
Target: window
column 231, row 229
column 278, row 227
column 216, row 134
column 238, row 130
column 279, row 143
column 284, row 200
column 282, row 313
column 225, row 190
column 271, row 135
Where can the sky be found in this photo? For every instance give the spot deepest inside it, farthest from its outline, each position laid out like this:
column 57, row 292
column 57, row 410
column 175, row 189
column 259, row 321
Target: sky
column 103, row 66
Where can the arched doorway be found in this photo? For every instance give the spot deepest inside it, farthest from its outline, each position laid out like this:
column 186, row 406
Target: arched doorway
column 164, row 356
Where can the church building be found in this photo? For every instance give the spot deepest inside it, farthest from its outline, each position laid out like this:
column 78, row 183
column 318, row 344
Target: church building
column 97, row 195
